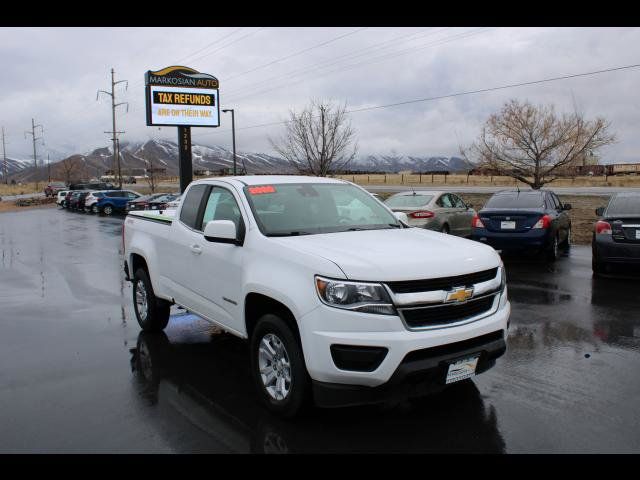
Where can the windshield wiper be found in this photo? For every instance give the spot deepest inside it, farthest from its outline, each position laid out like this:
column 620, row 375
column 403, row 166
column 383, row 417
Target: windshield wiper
column 288, row 234
column 373, row 227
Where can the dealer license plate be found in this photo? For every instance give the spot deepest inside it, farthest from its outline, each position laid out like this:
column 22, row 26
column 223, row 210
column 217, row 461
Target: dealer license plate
column 462, row 369
column 507, row 225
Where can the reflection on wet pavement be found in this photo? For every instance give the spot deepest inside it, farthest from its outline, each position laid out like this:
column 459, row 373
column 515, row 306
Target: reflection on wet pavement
column 76, row 374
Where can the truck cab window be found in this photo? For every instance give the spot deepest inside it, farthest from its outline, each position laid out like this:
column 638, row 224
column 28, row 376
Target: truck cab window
column 191, row 206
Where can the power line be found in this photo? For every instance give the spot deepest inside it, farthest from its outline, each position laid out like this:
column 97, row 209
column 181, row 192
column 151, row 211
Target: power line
column 114, row 132
column 226, row 45
column 458, row 94
column 335, row 60
column 341, row 69
column 210, row 44
column 215, row 50
column 501, row 87
column 327, row 63
column 35, row 138
column 300, row 52
column 4, row 155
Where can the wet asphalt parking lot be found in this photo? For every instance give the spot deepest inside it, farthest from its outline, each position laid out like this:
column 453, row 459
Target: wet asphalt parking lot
column 77, row 375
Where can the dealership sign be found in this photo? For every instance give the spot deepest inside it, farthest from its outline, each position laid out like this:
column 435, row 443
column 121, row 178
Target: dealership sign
column 182, row 97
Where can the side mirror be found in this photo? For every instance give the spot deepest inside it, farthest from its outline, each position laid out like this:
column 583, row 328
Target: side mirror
column 221, row 231
column 566, row 206
column 469, row 205
column 600, row 211
column 402, row 217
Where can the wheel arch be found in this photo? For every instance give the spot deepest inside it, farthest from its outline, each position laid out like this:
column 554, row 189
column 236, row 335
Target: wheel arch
column 257, row 304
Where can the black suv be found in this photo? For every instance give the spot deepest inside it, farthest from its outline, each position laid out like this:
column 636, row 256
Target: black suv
column 616, row 236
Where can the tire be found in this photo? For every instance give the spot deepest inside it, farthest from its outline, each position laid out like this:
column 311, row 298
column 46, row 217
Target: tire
column 95, row 209
column 445, row 229
column 598, row 268
column 152, row 313
column 107, row 209
column 272, row 331
column 566, row 245
column 552, row 251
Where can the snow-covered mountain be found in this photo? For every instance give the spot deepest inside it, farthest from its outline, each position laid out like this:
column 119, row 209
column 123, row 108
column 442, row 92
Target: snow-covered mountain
column 14, row 166
column 399, row 163
column 164, row 154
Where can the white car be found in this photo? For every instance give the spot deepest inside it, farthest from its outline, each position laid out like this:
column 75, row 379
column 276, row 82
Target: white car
column 60, row 197
column 90, row 202
column 348, row 310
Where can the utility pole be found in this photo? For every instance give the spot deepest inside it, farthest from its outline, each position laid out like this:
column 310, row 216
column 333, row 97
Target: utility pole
column 34, row 138
column 119, row 170
column 48, row 167
column 4, row 154
column 233, row 135
column 114, row 132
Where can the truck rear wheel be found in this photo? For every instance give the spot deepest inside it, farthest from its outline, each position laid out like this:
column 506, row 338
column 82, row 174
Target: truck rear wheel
column 152, row 313
column 278, row 367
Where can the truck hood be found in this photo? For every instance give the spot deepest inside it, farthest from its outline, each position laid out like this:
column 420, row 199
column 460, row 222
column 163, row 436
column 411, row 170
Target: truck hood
column 396, row 254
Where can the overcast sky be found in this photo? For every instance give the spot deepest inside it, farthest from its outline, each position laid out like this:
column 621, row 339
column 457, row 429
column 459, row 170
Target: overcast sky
column 53, row 74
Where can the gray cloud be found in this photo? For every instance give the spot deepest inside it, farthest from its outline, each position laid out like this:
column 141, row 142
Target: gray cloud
column 53, row 74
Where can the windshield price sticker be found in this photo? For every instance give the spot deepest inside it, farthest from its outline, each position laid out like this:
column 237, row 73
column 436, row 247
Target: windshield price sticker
column 262, row 189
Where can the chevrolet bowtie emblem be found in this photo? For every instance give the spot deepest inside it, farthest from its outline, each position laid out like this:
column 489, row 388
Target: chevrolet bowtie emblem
column 459, row 294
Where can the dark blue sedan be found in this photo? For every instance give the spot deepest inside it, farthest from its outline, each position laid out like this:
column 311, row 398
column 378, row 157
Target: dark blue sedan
column 532, row 221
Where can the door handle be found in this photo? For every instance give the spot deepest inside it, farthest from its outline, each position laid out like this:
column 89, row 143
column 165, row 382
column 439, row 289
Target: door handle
column 197, row 249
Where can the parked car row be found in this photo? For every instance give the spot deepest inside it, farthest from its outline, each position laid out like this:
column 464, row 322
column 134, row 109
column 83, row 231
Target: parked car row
column 154, row 201
column 100, row 201
column 53, row 188
column 528, row 221
column 114, row 201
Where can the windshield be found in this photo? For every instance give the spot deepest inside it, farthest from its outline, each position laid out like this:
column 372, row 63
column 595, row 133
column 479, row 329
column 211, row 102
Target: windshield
column 165, row 198
column 310, row 208
column 516, row 200
column 624, row 205
column 408, row 201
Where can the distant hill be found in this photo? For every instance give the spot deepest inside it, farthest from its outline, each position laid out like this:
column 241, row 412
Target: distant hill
column 164, row 154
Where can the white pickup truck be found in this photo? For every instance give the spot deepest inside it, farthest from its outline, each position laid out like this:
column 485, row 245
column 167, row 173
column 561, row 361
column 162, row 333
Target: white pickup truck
column 340, row 300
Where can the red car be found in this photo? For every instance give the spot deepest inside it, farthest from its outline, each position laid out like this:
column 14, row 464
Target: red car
column 52, row 189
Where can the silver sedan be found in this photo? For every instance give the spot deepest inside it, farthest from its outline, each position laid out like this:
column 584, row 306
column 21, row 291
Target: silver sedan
column 435, row 210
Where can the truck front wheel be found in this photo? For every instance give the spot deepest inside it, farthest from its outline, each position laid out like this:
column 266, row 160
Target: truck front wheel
column 152, row 313
column 278, row 368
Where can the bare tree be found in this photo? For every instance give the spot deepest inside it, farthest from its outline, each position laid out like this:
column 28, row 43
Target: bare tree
column 533, row 143
column 151, row 177
column 70, row 167
column 318, row 140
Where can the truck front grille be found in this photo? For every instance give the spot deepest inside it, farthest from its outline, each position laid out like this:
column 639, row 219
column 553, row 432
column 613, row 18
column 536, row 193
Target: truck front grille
column 442, row 315
column 443, row 283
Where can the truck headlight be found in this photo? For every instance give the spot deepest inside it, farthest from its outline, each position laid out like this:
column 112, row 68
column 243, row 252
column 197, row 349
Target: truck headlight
column 356, row 296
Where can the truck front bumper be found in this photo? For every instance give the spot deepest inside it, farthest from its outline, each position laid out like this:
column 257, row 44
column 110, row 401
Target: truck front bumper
column 396, row 355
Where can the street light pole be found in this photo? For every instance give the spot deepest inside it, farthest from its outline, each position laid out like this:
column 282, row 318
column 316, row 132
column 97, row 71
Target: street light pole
column 233, row 135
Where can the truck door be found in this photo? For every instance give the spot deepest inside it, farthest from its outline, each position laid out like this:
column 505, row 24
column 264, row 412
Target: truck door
column 180, row 250
column 217, row 277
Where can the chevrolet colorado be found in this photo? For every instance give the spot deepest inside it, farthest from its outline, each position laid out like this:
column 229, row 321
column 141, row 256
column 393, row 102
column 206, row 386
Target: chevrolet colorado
column 340, row 300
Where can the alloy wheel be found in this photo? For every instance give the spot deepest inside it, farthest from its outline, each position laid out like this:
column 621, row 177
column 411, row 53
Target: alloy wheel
column 142, row 305
column 274, row 366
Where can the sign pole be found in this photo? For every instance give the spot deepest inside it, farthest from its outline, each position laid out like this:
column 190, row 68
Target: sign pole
column 186, row 167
